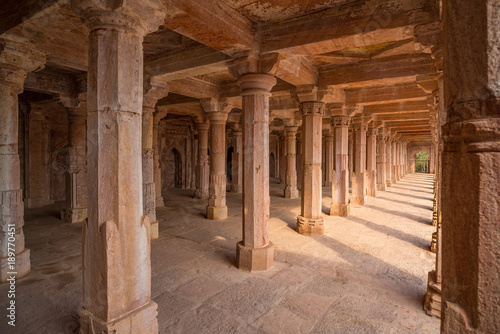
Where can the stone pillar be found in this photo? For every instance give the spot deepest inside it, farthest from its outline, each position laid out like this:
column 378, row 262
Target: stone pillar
column 156, row 163
column 358, row 196
column 381, row 163
column 15, row 61
column 291, row 190
column 217, row 111
column 329, row 158
column 283, row 158
column 471, row 167
column 203, row 168
column 351, row 157
column 388, row 159
column 371, row 162
column 340, row 187
column 116, row 236
column 311, row 221
column 75, row 209
column 237, row 168
column 255, row 251
column 394, row 157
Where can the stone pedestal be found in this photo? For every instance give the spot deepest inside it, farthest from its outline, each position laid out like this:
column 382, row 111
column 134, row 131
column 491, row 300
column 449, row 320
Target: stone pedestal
column 203, row 168
column 371, row 162
column 291, row 190
column 311, row 221
column 75, row 209
column 237, row 167
column 15, row 61
column 329, row 158
column 116, row 236
column 217, row 113
column 358, row 196
column 381, row 163
column 256, row 251
column 340, row 187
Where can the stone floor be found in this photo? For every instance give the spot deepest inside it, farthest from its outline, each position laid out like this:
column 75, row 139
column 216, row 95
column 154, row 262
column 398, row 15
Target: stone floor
column 367, row 274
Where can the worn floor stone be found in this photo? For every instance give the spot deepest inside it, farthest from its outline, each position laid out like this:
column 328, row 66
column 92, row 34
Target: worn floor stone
column 367, row 274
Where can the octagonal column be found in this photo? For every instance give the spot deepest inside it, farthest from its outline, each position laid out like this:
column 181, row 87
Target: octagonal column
column 381, row 163
column 311, row 221
column 291, row 190
column 217, row 114
column 393, row 161
column 358, row 196
column 237, row 167
column 203, row 168
column 329, row 158
column 371, row 162
column 148, row 182
column 75, row 209
column 282, row 139
column 116, row 236
column 256, row 251
column 340, row 187
column 388, row 160
column 156, row 164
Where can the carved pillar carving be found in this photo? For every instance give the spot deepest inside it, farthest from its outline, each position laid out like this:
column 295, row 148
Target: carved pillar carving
column 291, row 190
column 340, row 188
column 371, row 162
column 283, row 158
column 237, row 168
column 381, row 163
column 358, row 196
column 388, row 159
column 329, row 158
column 203, row 168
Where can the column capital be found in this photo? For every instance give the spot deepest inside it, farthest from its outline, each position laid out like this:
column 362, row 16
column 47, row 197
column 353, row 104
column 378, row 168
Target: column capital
column 256, row 83
column 341, row 121
column 252, row 63
column 153, row 90
column 371, row 132
column 138, row 17
column 203, row 126
column 16, row 60
column 291, row 122
column 312, row 108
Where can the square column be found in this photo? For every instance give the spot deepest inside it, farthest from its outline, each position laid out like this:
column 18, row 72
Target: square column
column 283, row 158
column 340, row 187
column 237, row 166
column 381, row 163
column 311, row 221
column 329, row 158
column 203, row 168
column 15, row 61
column 388, row 159
column 116, row 236
column 291, row 190
column 358, row 196
column 371, row 162
column 156, row 164
column 255, row 251
column 394, row 157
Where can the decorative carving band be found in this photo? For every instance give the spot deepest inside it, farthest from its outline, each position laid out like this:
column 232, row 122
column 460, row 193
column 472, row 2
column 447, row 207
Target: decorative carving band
column 341, row 121
column 312, row 108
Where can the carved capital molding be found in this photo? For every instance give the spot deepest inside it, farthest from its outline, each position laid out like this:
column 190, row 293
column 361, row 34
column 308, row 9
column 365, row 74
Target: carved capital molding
column 252, row 62
column 341, row 121
column 16, row 60
column 312, row 108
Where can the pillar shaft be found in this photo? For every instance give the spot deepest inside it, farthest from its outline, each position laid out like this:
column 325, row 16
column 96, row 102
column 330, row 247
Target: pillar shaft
column 202, row 179
column 256, row 251
column 358, row 196
column 340, row 186
column 237, row 167
column 311, row 221
column 148, row 182
column 283, row 158
column 394, row 157
column 329, row 158
column 75, row 209
column 371, row 162
column 381, row 163
column 291, row 190
column 217, row 208
column 156, row 165
column 388, row 160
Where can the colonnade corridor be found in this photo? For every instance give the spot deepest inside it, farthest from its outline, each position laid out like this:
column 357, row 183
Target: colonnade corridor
column 367, row 273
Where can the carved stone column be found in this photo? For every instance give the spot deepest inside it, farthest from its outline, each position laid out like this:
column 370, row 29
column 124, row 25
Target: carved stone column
column 340, row 187
column 255, row 251
column 371, row 162
column 203, row 168
column 15, row 61
column 291, row 190
column 116, row 237
column 237, row 168
column 394, row 157
column 358, row 196
column 217, row 111
column 156, row 163
column 283, row 158
column 381, row 163
column 75, row 209
column 388, row 159
column 329, row 158
column 311, row 221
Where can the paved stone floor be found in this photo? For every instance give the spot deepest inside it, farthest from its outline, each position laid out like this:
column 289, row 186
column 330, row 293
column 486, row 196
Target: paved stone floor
column 367, row 274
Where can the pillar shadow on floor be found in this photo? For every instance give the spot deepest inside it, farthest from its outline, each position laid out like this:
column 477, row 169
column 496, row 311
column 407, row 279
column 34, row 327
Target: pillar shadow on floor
column 411, row 196
column 430, row 191
column 402, row 214
column 427, row 207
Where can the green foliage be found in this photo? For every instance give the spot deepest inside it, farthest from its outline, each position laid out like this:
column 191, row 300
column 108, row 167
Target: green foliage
column 422, row 155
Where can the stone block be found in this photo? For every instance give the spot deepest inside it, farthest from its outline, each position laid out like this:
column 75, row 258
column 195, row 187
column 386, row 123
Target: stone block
column 253, row 259
column 216, row 213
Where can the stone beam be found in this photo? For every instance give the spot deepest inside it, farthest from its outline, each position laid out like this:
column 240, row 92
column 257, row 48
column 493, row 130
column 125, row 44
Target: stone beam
column 397, row 107
column 388, row 70
column 15, row 12
column 336, row 29
column 403, row 117
column 51, row 82
column 297, row 70
column 212, row 23
column 193, row 87
column 384, row 94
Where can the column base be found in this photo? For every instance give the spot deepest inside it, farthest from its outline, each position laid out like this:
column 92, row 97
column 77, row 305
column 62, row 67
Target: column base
column 388, row 183
column 73, row 215
column 311, row 226
column 291, row 193
column 154, row 230
column 201, row 193
column 381, row 187
column 342, row 210
column 216, row 213
column 358, row 199
column 236, row 188
column 253, row 259
column 432, row 303
column 159, row 202
column 372, row 192
column 22, row 266
column 142, row 320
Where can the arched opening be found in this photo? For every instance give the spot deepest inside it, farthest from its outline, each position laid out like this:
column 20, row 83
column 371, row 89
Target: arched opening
column 229, row 164
column 272, row 165
column 172, row 170
column 422, row 162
